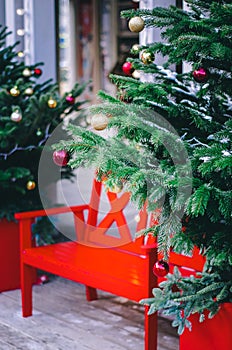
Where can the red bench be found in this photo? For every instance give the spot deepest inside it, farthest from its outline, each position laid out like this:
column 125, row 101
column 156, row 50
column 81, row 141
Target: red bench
column 120, row 264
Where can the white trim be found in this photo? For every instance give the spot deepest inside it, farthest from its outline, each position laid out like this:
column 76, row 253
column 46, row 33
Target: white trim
column 10, row 21
column 29, row 39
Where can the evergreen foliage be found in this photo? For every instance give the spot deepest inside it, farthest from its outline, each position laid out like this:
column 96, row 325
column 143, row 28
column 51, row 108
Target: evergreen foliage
column 171, row 146
column 22, row 139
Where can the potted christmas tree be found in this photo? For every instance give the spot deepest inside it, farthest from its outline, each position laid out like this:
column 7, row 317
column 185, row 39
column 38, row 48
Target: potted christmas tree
column 171, row 148
column 29, row 112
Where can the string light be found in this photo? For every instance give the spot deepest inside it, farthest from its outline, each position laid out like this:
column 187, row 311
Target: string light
column 20, row 12
column 20, row 32
column 29, row 148
column 21, row 54
column 26, row 31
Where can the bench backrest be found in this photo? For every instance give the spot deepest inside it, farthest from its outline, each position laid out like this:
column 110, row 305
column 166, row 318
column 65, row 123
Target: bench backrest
column 125, row 223
column 111, row 221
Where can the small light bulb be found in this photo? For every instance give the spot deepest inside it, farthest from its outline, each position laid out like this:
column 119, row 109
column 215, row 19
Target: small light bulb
column 20, row 12
column 21, row 54
column 20, row 32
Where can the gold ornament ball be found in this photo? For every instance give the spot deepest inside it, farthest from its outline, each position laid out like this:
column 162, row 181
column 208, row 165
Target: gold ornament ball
column 52, row 103
column 136, row 24
column 135, row 48
column 26, row 72
column 147, row 57
column 116, row 189
column 31, row 185
column 29, row 91
column 14, row 91
column 16, row 116
column 99, row 121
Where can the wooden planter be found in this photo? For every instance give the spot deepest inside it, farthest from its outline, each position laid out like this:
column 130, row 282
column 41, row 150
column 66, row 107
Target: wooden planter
column 212, row 334
column 9, row 255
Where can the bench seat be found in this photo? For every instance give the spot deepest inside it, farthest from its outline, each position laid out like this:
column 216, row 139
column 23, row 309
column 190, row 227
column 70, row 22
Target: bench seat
column 118, row 271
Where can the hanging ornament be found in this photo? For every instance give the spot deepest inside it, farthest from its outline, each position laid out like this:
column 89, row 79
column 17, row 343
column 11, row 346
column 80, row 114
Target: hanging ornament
column 37, row 72
column 61, row 157
column 135, row 49
column 136, row 24
column 14, row 91
column 52, row 103
column 70, row 99
column 127, row 68
column 16, row 116
column 99, row 121
column 27, row 72
column 147, row 57
column 38, row 132
column 116, row 188
column 31, row 185
column 42, row 280
column 160, row 268
column 136, row 74
column 200, row 75
column 29, row 91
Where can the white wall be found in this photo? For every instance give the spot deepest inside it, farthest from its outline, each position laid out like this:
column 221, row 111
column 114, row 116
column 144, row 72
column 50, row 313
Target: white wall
column 41, row 39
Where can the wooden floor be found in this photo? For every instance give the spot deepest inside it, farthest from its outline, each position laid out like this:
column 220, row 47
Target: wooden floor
column 64, row 320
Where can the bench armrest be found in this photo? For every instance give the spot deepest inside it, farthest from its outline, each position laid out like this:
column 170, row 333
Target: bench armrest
column 27, row 218
column 50, row 211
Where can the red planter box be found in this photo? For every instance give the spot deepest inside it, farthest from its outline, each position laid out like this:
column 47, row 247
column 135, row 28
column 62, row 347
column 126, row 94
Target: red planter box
column 212, row 334
column 9, row 255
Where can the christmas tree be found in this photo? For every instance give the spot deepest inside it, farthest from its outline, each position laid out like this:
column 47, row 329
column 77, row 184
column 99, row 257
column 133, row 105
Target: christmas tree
column 171, row 146
column 29, row 112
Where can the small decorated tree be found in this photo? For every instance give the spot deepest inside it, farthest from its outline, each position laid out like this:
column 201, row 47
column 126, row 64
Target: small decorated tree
column 29, row 112
column 171, row 147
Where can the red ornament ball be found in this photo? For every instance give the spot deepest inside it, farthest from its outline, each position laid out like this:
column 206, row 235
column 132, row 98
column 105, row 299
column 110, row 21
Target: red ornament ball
column 127, row 68
column 161, row 268
column 70, row 99
column 61, row 157
column 200, row 75
column 37, row 72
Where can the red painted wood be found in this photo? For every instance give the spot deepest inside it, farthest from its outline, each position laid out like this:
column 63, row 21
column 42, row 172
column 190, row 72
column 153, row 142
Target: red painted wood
column 50, row 211
column 91, row 293
column 119, row 265
column 9, row 255
column 123, row 268
column 117, row 271
column 212, row 334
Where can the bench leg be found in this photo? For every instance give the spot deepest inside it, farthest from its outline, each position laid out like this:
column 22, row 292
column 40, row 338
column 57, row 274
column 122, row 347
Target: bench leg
column 150, row 328
column 91, row 293
column 27, row 279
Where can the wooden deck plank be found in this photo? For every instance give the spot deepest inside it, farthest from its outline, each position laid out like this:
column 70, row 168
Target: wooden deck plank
column 63, row 319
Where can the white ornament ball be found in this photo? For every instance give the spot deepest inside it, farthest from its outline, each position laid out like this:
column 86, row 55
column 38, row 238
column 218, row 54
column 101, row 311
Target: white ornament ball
column 29, row 91
column 136, row 74
column 99, row 121
column 16, row 116
column 26, row 72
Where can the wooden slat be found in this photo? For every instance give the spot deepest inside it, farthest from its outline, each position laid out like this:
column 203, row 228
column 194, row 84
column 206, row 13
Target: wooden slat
column 63, row 319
